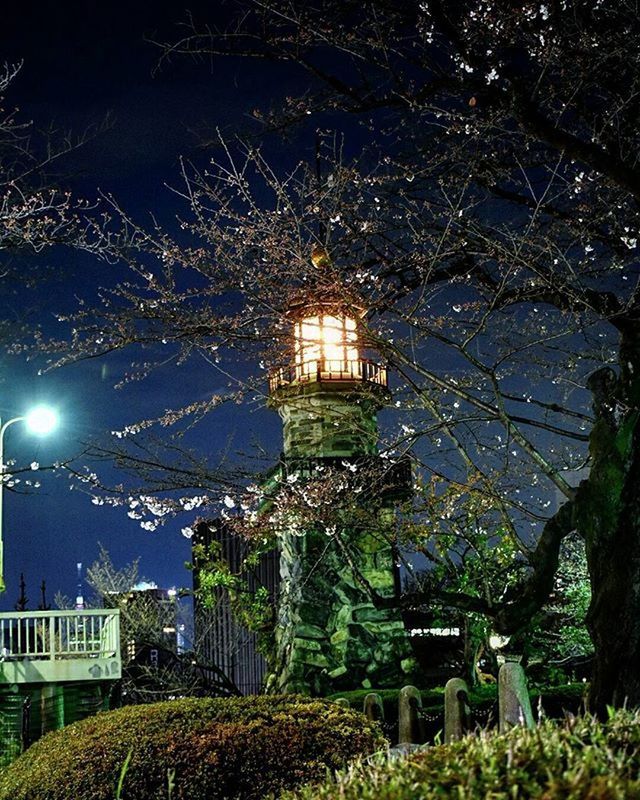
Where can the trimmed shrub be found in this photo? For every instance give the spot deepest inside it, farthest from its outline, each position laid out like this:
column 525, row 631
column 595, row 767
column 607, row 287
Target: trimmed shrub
column 580, row 759
column 243, row 747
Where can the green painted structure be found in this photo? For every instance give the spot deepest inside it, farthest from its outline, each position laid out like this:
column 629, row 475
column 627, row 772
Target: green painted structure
column 328, row 635
column 56, row 667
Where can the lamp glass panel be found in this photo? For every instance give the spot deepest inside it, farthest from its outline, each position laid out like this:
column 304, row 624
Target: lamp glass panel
column 326, row 343
column 308, row 346
column 351, row 339
column 333, row 343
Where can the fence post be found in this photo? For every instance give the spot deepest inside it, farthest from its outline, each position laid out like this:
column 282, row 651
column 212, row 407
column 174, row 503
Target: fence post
column 373, row 708
column 457, row 713
column 513, row 698
column 52, row 636
column 410, row 724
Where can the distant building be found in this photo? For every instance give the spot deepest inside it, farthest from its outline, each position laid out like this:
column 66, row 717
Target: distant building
column 149, row 625
column 220, row 639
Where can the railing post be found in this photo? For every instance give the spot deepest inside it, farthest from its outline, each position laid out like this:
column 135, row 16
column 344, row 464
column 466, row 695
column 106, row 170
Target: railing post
column 50, row 621
column 373, row 708
column 410, row 725
column 457, row 713
column 115, row 633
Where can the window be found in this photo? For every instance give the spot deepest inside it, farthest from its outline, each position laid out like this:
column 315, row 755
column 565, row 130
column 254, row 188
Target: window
column 326, row 346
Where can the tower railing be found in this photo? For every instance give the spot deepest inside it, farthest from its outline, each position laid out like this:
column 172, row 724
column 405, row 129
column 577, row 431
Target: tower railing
column 351, row 370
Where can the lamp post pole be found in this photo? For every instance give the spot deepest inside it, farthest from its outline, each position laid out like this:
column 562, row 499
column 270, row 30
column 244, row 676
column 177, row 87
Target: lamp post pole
column 3, row 428
column 40, row 421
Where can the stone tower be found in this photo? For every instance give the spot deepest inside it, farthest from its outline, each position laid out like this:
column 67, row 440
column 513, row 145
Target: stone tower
column 329, row 636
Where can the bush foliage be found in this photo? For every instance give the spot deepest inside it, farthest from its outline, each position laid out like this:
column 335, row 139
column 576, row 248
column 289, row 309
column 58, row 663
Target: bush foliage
column 580, row 758
column 242, row 747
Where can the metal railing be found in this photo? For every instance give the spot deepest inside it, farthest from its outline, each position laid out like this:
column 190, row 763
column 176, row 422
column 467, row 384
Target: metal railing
column 357, row 370
column 59, row 635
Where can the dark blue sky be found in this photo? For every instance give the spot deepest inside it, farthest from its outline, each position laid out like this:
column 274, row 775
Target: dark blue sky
column 81, row 61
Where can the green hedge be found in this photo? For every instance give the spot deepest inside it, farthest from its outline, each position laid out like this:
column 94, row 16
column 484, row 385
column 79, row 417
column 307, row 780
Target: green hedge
column 208, row 748
column 582, row 760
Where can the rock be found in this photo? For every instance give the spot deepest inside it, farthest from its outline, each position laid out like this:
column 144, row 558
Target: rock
column 337, row 673
column 307, row 631
column 339, row 636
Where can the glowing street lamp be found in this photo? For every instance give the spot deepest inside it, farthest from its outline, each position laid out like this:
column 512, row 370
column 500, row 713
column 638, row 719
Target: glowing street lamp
column 40, row 421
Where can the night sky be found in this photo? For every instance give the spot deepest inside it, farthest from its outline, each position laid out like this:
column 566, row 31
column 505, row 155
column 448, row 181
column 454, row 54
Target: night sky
column 82, row 61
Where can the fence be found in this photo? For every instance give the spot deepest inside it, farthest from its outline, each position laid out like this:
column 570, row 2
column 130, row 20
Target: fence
column 514, row 709
column 44, row 646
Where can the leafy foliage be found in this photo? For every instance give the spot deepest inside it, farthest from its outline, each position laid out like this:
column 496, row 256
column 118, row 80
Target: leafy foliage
column 557, row 637
column 232, row 748
column 580, row 759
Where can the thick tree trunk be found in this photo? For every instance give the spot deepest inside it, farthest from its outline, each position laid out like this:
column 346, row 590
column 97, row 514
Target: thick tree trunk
column 613, row 555
column 607, row 513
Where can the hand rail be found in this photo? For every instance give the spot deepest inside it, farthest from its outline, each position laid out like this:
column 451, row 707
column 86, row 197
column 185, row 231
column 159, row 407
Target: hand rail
column 359, row 370
column 58, row 635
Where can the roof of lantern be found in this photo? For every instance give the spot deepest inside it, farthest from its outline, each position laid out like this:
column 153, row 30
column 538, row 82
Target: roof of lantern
column 324, row 293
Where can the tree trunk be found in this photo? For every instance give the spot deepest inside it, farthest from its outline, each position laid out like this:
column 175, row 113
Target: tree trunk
column 607, row 513
column 613, row 556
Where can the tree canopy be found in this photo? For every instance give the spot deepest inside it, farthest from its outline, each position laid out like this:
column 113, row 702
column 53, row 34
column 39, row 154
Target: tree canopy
column 481, row 202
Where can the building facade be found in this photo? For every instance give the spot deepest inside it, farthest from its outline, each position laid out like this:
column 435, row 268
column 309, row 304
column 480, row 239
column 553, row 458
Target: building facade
column 221, row 641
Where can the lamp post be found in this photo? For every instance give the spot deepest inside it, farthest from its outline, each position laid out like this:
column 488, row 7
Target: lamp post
column 40, row 421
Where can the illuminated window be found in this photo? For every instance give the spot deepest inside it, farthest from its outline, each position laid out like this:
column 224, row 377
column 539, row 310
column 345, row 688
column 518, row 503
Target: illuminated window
column 327, row 346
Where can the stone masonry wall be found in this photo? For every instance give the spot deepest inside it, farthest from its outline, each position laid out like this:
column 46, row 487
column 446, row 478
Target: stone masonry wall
column 328, row 420
column 329, row 636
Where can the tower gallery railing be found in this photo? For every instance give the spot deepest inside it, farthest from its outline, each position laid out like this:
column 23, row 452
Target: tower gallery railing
column 356, row 370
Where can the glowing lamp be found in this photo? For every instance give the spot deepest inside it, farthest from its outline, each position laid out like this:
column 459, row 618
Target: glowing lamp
column 326, row 346
column 497, row 642
column 324, row 319
column 41, row 420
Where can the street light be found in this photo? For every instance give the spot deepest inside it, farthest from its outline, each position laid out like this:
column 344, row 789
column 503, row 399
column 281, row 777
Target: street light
column 40, row 421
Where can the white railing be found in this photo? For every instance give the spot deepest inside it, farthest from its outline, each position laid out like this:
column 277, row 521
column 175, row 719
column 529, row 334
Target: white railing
column 49, row 644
